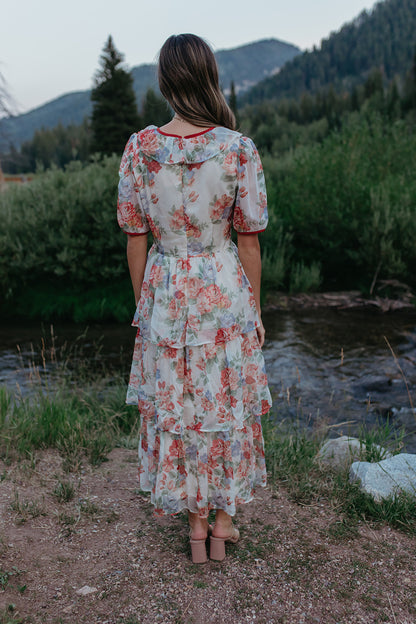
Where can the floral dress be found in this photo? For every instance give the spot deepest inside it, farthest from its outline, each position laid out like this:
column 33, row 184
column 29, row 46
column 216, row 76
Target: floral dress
column 198, row 374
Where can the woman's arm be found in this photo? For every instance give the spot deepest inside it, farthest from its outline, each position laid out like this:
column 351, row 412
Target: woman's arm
column 136, row 258
column 249, row 254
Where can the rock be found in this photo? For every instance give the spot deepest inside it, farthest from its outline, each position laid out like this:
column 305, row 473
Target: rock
column 405, row 416
column 372, row 383
column 342, row 451
column 387, row 477
column 84, row 591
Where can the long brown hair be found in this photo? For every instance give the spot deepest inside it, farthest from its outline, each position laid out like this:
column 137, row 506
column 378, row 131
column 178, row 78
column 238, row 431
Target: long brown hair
column 188, row 79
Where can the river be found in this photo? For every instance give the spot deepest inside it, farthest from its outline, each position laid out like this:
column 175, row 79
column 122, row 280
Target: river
column 323, row 365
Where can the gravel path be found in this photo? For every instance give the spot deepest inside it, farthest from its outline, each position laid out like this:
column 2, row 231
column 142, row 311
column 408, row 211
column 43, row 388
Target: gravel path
column 103, row 558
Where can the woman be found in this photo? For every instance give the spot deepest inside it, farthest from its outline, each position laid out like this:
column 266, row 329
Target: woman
column 198, row 372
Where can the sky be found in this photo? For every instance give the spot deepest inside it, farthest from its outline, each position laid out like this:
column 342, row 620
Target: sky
column 51, row 47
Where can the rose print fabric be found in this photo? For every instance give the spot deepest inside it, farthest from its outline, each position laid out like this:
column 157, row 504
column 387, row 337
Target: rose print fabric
column 198, row 373
column 211, row 387
column 200, row 472
column 194, row 289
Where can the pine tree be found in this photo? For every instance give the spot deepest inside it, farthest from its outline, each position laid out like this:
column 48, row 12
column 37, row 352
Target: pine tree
column 232, row 102
column 374, row 83
column 393, row 101
column 409, row 99
column 114, row 116
column 155, row 110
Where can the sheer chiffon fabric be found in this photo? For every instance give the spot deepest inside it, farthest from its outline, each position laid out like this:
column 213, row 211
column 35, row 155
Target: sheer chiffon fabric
column 198, row 374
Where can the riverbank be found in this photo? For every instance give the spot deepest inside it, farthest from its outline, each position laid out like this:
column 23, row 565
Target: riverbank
column 327, row 364
column 79, row 541
column 341, row 300
column 84, row 422
column 113, row 302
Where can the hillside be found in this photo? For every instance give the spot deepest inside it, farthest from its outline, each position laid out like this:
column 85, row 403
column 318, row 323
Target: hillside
column 250, row 63
column 246, row 65
column 383, row 37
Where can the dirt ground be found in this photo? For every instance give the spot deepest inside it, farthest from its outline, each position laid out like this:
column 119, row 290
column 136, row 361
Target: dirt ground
column 294, row 564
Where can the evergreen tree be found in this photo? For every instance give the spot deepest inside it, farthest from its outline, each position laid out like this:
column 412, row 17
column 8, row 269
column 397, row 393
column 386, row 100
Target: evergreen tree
column 393, row 101
column 114, row 115
column 383, row 37
column 51, row 146
column 374, row 83
column 232, row 102
column 155, row 110
column 409, row 99
column 357, row 97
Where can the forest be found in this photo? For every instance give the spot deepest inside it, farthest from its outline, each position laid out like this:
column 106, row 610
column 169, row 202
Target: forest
column 382, row 38
column 340, row 170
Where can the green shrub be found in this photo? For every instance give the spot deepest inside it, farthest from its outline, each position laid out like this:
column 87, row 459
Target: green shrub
column 275, row 260
column 349, row 203
column 61, row 229
column 342, row 214
column 305, row 278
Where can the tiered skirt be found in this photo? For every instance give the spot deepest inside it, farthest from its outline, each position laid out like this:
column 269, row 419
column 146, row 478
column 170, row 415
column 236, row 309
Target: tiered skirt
column 201, row 445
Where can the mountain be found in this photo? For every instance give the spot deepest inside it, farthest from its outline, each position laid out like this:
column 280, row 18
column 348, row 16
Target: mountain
column 246, row 65
column 250, row 63
column 383, row 37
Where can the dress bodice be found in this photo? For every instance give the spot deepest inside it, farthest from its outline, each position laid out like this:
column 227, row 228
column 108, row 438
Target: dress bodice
column 189, row 192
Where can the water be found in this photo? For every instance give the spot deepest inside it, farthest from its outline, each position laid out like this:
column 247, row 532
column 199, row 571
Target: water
column 337, row 366
column 322, row 364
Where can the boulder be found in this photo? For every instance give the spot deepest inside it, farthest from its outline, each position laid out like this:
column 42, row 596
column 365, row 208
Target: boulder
column 342, row 451
column 387, row 477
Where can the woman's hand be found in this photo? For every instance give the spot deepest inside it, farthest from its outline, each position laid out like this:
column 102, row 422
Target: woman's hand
column 261, row 333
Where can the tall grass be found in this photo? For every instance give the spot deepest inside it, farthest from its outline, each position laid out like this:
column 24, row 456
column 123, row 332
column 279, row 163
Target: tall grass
column 68, row 407
column 85, row 423
column 82, row 414
column 291, row 458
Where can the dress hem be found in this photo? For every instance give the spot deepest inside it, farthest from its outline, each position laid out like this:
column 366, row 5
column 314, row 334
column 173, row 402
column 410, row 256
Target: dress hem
column 161, row 512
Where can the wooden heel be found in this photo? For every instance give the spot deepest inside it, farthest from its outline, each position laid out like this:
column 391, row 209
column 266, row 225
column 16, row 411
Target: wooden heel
column 217, row 548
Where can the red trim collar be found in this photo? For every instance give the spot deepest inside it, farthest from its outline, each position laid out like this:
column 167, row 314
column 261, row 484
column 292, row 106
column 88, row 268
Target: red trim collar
column 188, row 136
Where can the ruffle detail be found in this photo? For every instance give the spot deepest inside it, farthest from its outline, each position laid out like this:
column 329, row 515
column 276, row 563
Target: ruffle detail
column 201, row 471
column 209, row 387
column 168, row 149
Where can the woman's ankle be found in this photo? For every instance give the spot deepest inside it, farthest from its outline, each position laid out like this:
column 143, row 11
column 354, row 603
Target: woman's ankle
column 199, row 526
column 223, row 523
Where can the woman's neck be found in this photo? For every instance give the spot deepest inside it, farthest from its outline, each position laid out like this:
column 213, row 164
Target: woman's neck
column 182, row 128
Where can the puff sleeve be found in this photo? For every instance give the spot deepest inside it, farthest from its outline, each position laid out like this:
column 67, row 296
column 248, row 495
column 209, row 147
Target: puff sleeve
column 130, row 214
column 250, row 209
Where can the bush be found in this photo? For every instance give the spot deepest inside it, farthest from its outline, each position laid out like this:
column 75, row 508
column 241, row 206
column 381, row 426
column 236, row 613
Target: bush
column 62, row 252
column 349, row 203
column 304, row 278
column 61, row 228
column 342, row 214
